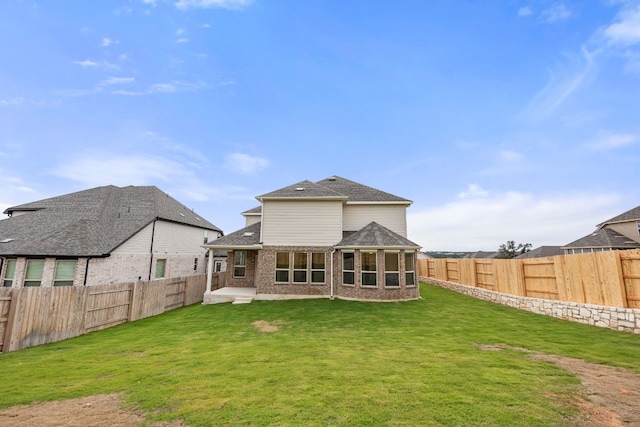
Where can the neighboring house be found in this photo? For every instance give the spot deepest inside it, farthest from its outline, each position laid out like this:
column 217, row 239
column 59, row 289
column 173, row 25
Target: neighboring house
column 481, row 254
column 541, row 252
column 101, row 236
column 618, row 233
column 332, row 238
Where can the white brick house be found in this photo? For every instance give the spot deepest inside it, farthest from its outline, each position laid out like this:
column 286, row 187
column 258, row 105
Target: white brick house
column 332, row 238
column 100, row 236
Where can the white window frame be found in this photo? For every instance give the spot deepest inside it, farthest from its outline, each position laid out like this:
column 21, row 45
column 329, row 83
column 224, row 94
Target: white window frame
column 410, row 273
column 390, row 274
column 319, row 270
column 282, row 270
column 161, row 274
column 352, row 272
column 240, row 263
column 367, row 274
column 32, row 281
column 9, row 273
column 303, row 256
column 64, row 281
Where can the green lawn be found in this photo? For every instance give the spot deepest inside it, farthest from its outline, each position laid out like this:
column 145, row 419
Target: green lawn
column 329, row 363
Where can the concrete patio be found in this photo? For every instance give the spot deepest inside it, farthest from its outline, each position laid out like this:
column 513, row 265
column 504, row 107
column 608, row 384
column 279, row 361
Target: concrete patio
column 246, row 295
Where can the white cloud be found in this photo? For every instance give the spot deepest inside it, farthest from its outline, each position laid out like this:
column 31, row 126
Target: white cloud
column 556, row 12
column 489, row 219
column 117, row 81
column 106, row 42
column 509, row 156
column 525, row 11
column 86, row 63
column 473, row 190
column 609, row 141
column 245, row 164
column 13, row 101
column 226, row 4
column 561, row 85
column 626, row 31
column 182, row 40
column 92, row 64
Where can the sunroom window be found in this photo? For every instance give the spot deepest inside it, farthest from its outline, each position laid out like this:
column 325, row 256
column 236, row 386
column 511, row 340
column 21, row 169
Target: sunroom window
column 282, row 267
column 410, row 268
column 369, row 269
column 317, row 267
column 239, row 263
column 300, row 267
column 348, row 268
column 391, row 270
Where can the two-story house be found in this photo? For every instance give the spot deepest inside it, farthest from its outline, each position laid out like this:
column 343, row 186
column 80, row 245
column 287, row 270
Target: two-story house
column 101, row 236
column 331, row 238
column 618, row 233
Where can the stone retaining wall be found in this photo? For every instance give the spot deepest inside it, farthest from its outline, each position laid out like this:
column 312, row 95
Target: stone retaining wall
column 620, row 319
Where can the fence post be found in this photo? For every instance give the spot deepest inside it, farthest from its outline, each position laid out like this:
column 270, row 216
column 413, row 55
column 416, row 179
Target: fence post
column 624, row 300
column 10, row 342
column 133, row 299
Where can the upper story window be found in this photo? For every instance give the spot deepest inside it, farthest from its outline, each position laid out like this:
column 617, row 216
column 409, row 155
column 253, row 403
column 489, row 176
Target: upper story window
column 65, row 273
column 239, row 263
column 9, row 273
column 33, row 275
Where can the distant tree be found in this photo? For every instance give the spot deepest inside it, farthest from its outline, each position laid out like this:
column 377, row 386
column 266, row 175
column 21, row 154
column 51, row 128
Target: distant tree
column 511, row 250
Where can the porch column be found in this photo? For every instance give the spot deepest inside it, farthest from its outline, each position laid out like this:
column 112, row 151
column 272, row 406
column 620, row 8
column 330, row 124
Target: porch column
column 209, row 271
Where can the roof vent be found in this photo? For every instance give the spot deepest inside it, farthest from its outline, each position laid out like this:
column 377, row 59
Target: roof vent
column 333, row 178
column 299, row 188
column 6, row 240
column 181, row 214
column 247, row 234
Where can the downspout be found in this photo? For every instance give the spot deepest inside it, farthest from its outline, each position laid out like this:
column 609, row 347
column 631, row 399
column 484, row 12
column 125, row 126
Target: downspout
column 331, row 294
column 86, row 271
column 153, row 233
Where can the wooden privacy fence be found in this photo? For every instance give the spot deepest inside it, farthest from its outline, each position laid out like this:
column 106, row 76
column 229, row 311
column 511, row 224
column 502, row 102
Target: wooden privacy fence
column 601, row 278
column 34, row 315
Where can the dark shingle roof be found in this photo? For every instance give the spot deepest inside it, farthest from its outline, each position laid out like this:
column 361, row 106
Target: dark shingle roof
column 248, row 236
column 541, row 252
column 359, row 192
column 630, row 215
column 604, row 238
column 304, row 189
column 334, row 187
column 92, row 222
column 376, row 236
column 253, row 211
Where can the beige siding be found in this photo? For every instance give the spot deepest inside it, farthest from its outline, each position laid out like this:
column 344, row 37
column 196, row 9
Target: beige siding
column 252, row 219
column 167, row 238
column 305, row 223
column 393, row 217
column 140, row 243
column 629, row 229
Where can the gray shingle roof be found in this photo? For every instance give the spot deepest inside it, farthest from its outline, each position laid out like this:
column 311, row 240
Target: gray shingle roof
column 630, row 215
column 542, row 251
column 304, row 189
column 358, row 192
column 604, row 238
column 248, row 236
column 253, row 211
column 334, row 187
column 375, row 235
column 92, row 222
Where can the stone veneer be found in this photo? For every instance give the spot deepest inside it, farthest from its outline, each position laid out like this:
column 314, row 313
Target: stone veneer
column 617, row 318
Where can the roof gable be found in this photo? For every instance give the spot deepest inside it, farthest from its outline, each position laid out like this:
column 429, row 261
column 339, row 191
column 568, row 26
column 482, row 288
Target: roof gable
column 302, row 190
column 630, row 215
column 248, row 236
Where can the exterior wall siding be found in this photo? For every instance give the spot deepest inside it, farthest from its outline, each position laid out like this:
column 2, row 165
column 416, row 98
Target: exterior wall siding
column 302, row 223
column 393, row 217
column 252, row 219
column 628, row 229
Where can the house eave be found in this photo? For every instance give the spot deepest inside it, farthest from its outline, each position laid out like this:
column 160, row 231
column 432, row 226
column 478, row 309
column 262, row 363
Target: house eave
column 303, row 199
column 397, row 202
column 234, row 247
column 388, row 248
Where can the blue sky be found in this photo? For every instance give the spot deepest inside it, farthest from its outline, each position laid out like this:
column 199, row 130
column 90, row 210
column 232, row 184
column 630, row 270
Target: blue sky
column 501, row 120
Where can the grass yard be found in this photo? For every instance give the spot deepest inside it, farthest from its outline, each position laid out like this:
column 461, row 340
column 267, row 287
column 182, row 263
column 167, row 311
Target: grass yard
column 321, row 362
